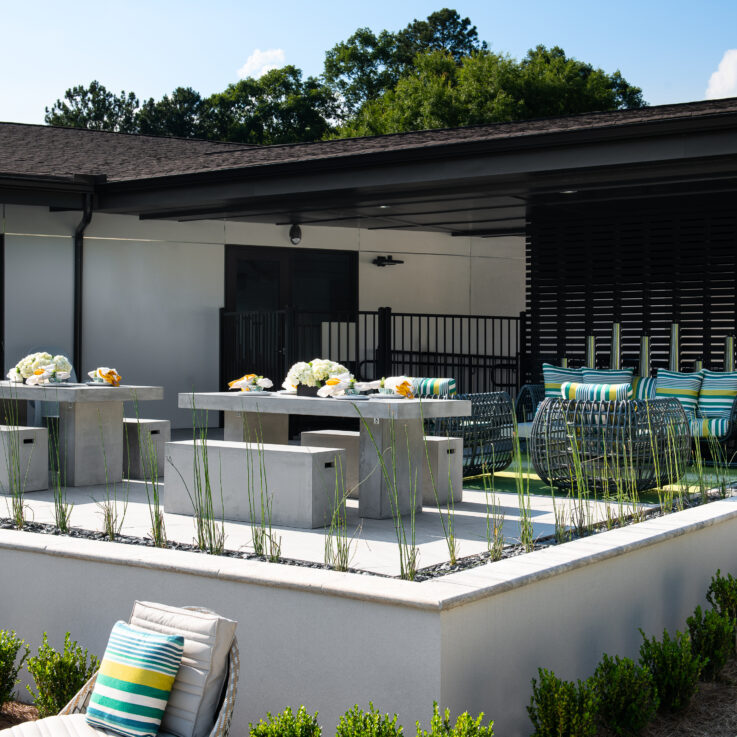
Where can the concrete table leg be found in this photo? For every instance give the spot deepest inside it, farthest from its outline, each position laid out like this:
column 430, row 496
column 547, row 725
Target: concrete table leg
column 244, row 427
column 376, row 497
column 83, row 429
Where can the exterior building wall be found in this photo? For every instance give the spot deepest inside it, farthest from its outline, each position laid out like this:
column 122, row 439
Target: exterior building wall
column 152, row 289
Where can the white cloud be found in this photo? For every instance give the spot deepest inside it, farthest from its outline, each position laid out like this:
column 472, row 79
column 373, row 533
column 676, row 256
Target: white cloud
column 260, row 62
column 723, row 83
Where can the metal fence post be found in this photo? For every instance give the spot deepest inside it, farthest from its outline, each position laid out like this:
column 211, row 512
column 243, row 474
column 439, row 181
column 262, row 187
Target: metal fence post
column 384, row 343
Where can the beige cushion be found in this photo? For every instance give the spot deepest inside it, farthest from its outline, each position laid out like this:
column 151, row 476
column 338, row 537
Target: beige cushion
column 73, row 725
column 194, row 699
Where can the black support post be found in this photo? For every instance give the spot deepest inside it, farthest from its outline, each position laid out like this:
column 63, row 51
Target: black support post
column 79, row 281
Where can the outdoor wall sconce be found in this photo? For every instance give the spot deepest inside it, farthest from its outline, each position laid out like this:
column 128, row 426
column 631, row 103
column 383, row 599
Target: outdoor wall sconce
column 386, row 261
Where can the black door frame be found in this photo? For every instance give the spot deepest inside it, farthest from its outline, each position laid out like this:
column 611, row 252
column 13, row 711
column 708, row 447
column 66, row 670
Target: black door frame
column 234, row 251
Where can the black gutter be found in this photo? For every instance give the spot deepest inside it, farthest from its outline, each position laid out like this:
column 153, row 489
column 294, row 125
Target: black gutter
column 78, row 281
column 2, row 302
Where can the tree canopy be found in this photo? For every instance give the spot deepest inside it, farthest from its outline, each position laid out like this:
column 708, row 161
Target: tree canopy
column 433, row 73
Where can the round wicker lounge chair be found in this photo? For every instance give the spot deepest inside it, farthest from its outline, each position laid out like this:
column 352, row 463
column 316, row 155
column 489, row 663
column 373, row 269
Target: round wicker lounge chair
column 610, row 446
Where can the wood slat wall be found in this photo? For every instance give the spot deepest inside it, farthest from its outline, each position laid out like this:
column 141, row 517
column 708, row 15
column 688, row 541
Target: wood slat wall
column 645, row 265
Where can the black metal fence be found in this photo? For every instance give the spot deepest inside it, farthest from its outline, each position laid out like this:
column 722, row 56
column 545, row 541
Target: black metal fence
column 480, row 352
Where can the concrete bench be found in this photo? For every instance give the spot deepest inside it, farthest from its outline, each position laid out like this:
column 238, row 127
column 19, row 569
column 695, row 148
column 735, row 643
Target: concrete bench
column 300, row 481
column 446, row 462
column 32, row 447
column 136, row 446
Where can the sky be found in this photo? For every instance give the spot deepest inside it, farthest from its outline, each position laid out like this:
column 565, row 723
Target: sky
column 676, row 51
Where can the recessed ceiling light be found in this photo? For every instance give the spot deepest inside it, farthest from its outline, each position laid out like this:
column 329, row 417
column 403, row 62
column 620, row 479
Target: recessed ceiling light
column 568, row 191
column 384, row 207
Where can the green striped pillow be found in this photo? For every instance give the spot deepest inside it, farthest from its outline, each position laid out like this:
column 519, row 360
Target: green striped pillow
column 643, row 387
column 596, row 392
column 709, row 427
column 684, row 387
column 718, row 392
column 554, row 376
column 134, row 681
column 607, row 376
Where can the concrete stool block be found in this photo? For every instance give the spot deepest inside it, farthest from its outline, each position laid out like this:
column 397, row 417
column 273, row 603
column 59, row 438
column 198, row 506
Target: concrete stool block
column 32, row 447
column 446, row 462
column 348, row 440
column 300, row 481
column 136, row 449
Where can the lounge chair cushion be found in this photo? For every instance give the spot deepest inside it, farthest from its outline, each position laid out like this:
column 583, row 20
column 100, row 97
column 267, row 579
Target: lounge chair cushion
column 207, row 641
column 709, row 427
column 718, row 393
column 69, row 725
column 442, row 388
column 643, row 387
column 596, row 392
column 134, row 681
column 684, row 387
column 554, row 376
column 607, row 376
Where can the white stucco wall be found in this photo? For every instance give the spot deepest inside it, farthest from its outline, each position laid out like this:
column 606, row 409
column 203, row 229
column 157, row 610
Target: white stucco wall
column 470, row 640
column 152, row 289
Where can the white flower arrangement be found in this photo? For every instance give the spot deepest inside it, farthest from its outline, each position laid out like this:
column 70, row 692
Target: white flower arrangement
column 41, row 368
column 314, row 373
column 251, row 383
column 105, row 375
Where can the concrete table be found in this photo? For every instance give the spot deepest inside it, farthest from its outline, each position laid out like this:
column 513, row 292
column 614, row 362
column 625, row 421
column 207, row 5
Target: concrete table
column 89, row 416
column 382, row 420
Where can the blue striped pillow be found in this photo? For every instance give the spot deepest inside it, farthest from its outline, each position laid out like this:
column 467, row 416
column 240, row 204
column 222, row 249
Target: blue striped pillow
column 607, row 376
column 554, row 376
column 596, row 392
column 718, row 392
column 134, row 681
column 684, row 387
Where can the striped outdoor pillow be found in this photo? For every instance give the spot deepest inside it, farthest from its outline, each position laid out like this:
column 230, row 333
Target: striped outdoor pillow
column 134, row 681
column 717, row 394
column 596, row 392
column 709, row 427
column 643, row 387
column 434, row 387
column 554, row 376
column 684, row 387
column 607, row 376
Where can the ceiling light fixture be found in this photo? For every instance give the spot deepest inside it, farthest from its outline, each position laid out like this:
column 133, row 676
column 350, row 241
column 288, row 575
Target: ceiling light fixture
column 384, row 207
column 295, row 234
column 568, row 191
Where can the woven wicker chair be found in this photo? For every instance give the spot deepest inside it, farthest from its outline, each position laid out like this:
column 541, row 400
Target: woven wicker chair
column 528, row 400
column 630, row 444
column 487, row 434
column 221, row 727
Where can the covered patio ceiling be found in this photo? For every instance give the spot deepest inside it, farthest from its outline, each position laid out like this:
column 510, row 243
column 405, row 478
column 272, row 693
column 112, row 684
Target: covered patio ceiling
column 468, row 182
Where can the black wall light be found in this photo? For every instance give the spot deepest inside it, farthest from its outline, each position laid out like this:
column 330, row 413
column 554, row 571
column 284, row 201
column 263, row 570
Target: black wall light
column 295, row 234
column 386, row 261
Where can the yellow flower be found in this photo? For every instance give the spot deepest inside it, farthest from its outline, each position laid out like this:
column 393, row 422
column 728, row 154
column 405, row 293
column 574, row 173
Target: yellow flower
column 405, row 389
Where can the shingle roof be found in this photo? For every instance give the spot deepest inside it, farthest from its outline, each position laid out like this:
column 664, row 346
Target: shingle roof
column 47, row 151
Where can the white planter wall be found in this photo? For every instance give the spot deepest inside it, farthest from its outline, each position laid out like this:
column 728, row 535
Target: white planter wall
column 470, row 640
column 152, row 289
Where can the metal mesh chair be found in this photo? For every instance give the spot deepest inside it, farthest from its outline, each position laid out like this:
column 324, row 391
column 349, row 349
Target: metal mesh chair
column 528, row 400
column 631, row 445
column 487, row 434
column 221, row 727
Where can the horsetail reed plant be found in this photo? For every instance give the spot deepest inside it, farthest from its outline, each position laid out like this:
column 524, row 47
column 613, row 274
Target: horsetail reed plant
column 447, row 523
column 153, row 494
column 494, row 516
column 337, row 543
column 265, row 542
column 522, row 482
column 408, row 552
column 62, row 509
column 17, row 476
column 112, row 520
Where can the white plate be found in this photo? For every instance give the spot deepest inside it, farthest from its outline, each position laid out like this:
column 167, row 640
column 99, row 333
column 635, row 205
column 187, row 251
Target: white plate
column 353, row 397
column 386, row 396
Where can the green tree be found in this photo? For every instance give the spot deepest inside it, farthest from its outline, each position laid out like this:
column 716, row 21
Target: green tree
column 485, row 87
column 366, row 65
column 179, row 115
column 95, row 108
column 279, row 107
